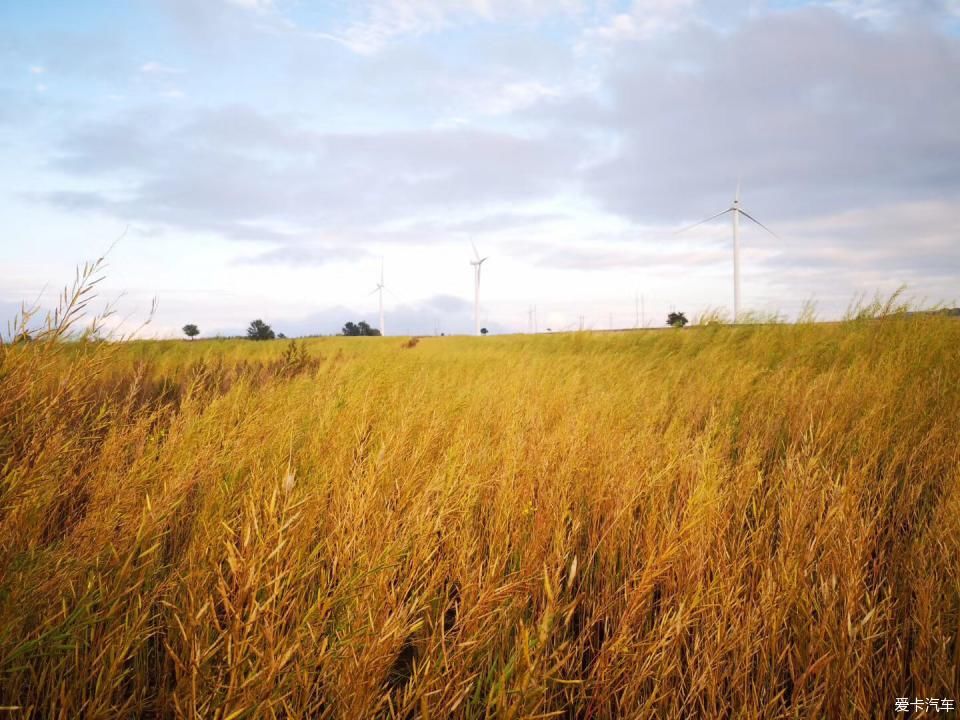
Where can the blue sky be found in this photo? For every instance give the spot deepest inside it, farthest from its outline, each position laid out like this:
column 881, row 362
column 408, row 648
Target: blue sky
column 261, row 156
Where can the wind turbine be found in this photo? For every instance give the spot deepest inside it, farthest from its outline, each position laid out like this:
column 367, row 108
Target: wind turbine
column 477, row 262
column 736, row 211
column 379, row 289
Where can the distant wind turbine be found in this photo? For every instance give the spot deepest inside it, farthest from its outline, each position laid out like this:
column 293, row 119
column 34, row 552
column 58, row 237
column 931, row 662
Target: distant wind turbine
column 737, row 211
column 477, row 262
column 379, row 289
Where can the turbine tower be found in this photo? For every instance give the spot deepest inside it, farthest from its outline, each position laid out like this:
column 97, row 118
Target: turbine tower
column 379, row 289
column 736, row 212
column 477, row 262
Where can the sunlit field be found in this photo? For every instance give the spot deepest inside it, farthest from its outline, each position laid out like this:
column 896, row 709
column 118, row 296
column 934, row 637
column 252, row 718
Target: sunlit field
column 754, row 521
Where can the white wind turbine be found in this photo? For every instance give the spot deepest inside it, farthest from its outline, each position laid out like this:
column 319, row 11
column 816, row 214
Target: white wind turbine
column 379, row 289
column 736, row 211
column 477, row 262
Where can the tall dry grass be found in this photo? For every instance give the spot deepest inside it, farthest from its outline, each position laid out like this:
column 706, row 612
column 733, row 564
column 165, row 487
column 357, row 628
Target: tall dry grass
column 711, row 522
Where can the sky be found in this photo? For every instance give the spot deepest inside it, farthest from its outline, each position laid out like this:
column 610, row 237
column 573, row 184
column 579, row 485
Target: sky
column 261, row 158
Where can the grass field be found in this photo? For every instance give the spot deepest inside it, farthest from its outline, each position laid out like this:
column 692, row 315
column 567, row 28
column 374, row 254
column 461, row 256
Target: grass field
column 757, row 521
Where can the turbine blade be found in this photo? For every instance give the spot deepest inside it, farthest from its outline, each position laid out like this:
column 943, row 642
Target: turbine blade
column 376, row 289
column 745, row 213
column 712, row 217
column 476, row 254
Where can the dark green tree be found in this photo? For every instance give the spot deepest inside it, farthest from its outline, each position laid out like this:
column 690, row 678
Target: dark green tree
column 483, row 331
column 677, row 319
column 259, row 330
column 191, row 331
column 362, row 328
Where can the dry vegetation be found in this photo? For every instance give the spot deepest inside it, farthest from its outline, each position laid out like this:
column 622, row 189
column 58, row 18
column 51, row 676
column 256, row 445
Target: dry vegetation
column 713, row 522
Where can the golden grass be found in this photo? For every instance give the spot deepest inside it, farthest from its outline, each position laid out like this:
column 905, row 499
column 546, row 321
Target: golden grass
column 756, row 521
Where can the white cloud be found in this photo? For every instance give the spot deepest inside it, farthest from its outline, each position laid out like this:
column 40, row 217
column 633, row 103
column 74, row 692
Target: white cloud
column 645, row 19
column 513, row 96
column 864, row 9
column 885, row 12
column 37, row 69
column 156, row 68
column 255, row 5
column 380, row 22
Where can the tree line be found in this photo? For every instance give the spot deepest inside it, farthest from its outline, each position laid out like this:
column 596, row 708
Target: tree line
column 259, row 330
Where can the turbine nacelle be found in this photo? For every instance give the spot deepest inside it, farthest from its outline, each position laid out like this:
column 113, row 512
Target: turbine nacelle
column 476, row 254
